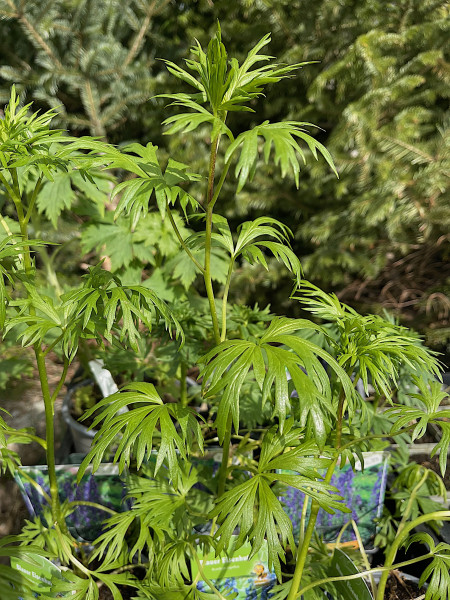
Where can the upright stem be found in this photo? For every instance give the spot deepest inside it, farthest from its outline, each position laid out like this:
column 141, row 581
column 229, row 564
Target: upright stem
column 222, row 475
column 43, row 378
column 180, row 239
column 303, row 550
column 183, row 385
column 403, row 529
column 52, row 277
column 225, row 299
column 50, row 438
column 208, row 233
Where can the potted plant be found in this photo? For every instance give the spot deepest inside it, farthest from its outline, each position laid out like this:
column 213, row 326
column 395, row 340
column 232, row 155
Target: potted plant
column 182, row 509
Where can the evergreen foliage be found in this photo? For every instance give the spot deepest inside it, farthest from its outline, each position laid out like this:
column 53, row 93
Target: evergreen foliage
column 182, row 507
column 95, row 61
column 379, row 89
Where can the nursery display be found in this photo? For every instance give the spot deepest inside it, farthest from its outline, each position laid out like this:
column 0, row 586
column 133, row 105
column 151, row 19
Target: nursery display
column 263, row 433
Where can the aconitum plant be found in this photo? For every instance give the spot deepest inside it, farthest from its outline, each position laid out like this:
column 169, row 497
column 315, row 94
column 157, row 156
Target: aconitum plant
column 317, row 419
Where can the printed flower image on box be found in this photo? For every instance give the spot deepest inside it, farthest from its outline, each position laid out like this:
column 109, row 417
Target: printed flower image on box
column 363, row 492
column 105, row 488
column 235, row 572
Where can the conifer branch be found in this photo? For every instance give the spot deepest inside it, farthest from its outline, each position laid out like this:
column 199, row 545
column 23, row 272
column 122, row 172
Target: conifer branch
column 35, row 34
column 137, row 42
column 96, row 122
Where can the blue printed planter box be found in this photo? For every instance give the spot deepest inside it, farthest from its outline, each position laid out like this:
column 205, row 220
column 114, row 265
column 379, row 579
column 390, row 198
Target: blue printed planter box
column 105, row 487
column 363, row 493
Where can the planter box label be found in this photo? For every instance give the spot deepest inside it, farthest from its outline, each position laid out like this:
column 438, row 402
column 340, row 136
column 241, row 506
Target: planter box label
column 363, row 493
column 235, row 572
column 37, row 573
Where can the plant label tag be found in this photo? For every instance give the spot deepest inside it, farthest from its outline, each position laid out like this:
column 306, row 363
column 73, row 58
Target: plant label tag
column 103, row 378
column 235, row 573
column 37, row 573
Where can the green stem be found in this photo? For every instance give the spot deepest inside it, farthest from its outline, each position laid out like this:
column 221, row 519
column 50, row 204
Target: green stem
column 47, row 260
column 50, row 437
column 340, row 416
column 364, row 557
column 221, row 180
column 303, row 519
column 53, row 344
column 182, row 242
column 302, row 552
column 222, row 474
column 383, row 570
column 402, row 532
column 62, row 379
column 33, row 199
column 412, row 497
column 36, row 486
column 208, row 233
column 377, row 436
column 5, row 226
column 225, row 299
column 303, row 548
column 14, row 197
column 9, row 233
column 55, row 505
column 205, row 578
column 27, row 264
column 183, row 385
column 94, row 505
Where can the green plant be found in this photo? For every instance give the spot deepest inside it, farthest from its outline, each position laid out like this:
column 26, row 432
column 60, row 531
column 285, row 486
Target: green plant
column 179, row 504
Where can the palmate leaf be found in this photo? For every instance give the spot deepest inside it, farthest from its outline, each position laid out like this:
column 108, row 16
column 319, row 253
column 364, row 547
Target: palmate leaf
column 87, row 588
column 9, row 248
column 103, row 304
column 438, row 569
column 150, row 179
column 431, row 395
column 28, row 142
column 227, row 85
column 155, row 504
column 147, row 416
column 373, row 347
column 255, row 509
column 38, row 314
column 251, row 240
column 268, row 357
column 236, row 508
column 286, row 149
column 55, row 196
column 59, row 194
column 173, row 563
column 186, row 122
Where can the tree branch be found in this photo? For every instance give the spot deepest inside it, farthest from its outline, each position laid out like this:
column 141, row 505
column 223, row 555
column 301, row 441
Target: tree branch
column 137, row 42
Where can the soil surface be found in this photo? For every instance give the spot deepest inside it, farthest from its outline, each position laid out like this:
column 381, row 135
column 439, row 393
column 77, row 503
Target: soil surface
column 400, row 589
column 127, row 593
column 433, row 464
